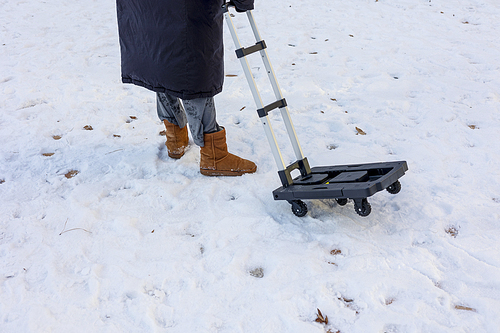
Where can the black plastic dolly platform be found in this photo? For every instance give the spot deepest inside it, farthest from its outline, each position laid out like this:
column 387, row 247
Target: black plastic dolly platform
column 339, row 182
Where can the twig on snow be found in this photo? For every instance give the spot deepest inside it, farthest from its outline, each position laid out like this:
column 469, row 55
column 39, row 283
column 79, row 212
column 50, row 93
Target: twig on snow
column 114, row 151
column 64, row 229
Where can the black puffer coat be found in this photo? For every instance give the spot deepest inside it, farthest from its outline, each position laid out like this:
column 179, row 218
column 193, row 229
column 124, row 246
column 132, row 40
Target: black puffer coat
column 174, row 46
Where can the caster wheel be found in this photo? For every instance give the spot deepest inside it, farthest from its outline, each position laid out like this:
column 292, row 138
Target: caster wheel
column 299, row 208
column 394, row 188
column 341, row 202
column 362, row 207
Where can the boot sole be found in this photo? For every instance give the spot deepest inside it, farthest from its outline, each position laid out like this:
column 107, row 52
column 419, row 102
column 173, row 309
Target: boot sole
column 212, row 173
column 177, row 156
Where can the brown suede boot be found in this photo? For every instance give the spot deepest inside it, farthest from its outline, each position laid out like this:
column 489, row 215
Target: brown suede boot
column 217, row 161
column 177, row 140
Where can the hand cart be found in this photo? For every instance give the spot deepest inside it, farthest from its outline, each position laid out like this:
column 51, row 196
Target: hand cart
column 339, row 182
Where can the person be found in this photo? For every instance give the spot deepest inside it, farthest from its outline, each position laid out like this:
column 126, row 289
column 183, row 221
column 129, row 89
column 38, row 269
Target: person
column 175, row 48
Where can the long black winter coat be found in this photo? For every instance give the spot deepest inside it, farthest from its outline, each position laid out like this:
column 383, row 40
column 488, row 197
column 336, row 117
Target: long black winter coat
column 173, row 46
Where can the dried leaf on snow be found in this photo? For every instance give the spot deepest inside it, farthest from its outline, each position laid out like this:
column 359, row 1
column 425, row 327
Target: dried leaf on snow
column 360, row 131
column 71, row 174
column 466, row 308
column 321, row 319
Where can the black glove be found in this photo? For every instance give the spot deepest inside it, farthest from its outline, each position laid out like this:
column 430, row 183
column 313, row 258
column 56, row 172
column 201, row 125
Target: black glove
column 239, row 10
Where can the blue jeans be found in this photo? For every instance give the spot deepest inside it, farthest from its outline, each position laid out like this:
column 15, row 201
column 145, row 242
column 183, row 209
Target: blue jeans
column 198, row 112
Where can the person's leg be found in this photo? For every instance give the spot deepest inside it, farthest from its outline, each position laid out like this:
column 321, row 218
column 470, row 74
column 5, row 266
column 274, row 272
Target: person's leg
column 173, row 116
column 201, row 117
column 200, row 114
column 215, row 158
column 169, row 108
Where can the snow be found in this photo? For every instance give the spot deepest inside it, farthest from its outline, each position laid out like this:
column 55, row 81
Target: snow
column 134, row 241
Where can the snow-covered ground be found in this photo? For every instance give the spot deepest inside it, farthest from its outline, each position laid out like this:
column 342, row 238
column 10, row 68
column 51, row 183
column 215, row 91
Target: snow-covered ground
column 133, row 241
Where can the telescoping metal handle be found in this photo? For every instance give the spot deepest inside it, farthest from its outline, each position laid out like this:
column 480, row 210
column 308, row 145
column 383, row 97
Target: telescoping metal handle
column 241, row 53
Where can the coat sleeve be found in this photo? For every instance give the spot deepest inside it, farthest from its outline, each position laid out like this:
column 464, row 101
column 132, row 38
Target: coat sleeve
column 244, row 4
